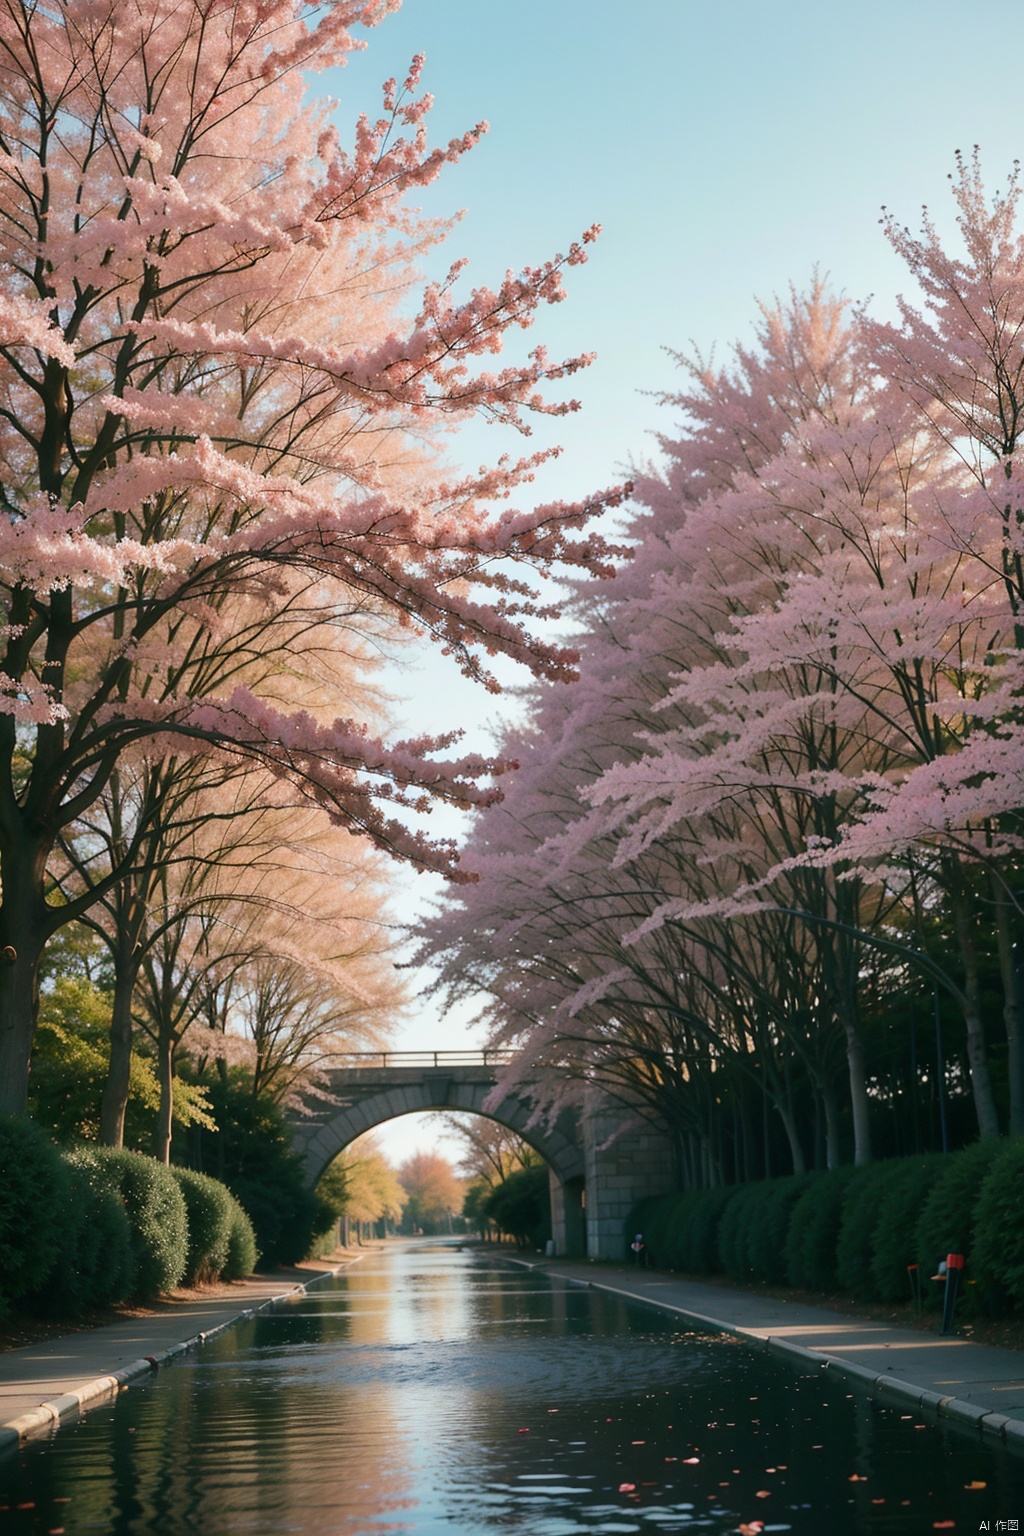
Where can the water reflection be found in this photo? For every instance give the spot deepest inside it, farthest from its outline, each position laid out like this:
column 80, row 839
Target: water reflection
column 428, row 1390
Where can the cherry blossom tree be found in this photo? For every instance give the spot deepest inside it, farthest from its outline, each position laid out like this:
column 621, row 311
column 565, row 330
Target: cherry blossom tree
column 604, row 936
column 794, row 739
column 213, row 396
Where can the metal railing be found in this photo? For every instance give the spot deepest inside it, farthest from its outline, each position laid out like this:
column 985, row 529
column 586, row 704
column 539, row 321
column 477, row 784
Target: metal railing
column 377, row 1060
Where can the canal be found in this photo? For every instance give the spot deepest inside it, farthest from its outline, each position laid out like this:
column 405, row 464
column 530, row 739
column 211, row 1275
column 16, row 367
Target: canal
column 433, row 1390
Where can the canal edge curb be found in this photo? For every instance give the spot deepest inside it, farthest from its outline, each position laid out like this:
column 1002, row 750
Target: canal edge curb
column 52, row 1413
column 988, row 1422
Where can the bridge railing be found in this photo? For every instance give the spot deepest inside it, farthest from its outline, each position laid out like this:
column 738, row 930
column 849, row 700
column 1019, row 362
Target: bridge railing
column 375, row 1060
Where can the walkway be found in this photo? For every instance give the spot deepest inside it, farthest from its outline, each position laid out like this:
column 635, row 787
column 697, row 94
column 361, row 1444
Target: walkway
column 948, row 1377
column 43, row 1383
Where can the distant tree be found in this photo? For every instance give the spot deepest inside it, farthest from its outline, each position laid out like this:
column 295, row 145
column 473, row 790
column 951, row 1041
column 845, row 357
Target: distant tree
column 363, row 1186
column 520, row 1207
column 490, row 1151
column 434, row 1192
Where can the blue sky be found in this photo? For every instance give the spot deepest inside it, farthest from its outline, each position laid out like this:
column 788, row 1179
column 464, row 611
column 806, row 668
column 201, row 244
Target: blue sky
column 726, row 148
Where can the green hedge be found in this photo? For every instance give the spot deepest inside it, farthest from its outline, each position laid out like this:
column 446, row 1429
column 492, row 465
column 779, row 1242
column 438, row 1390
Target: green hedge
column 854, row 1245
column 208, row 1205
column 858, row 1228
column 893, row 1240
column 286, row 1218
column 734, row 1228
column 34, row 1192
column 156, row 1212
column 767, row 1226
column 813, row 1232
column 947, row 1219
column 93, row 1226
column 703, row 1225
column 243, row 1255
column 680, row 1230
column 97, row 1265
column 652, row 1217
column 997, row 1262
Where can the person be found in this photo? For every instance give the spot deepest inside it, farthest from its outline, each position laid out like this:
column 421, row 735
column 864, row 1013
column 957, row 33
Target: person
column 639, row 1251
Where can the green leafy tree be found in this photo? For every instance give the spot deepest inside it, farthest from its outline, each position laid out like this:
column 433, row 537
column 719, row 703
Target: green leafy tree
column 521, row 1206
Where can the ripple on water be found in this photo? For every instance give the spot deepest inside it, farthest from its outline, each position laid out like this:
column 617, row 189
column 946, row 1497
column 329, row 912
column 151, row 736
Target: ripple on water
column 429, row 1393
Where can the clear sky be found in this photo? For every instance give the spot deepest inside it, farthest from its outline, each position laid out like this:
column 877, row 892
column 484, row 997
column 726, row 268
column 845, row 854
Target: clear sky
column 726, row 147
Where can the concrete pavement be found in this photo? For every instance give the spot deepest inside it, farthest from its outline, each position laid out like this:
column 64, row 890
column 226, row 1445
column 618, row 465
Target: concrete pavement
column 950, row 1377
column 43, row 1383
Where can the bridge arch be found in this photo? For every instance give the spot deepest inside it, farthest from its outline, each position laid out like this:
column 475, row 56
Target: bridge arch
column 591, row 1163
column 562, row 1155
column 378, row 1090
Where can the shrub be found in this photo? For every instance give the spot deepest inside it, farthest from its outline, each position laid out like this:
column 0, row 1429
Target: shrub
column 998, row 1263
column 242, row 1252
column 698, row 1230
column 285, row 1217
column 97, row 1265
column 681, row 1230
column 33, row 1198
column 251, row 1150
column 893, row 1245
column 654, row 1218
column 854, row 1245
column 156, row 1213
column 947, row 1220
column 814, row 1231
column 208, row 1204
column 521, row 1206
column 734, row 1227
column 767, row 1226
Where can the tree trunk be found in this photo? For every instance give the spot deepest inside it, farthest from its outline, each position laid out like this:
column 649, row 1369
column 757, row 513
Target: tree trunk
column 844, row 956
column 788, row 1119
column 20, row 952
column 165, row 1114
column 828, row 1100
column 827, row 1106
column 859, row 1103
column 25, row 925
column 977, row 1054
column 1013, row 1012
column 118, row 1083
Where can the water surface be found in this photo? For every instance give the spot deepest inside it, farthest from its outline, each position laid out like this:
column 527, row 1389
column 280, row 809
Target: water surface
column 432, row 1390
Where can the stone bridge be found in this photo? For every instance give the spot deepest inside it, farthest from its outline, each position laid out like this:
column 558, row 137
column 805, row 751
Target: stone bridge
column 593, row 1185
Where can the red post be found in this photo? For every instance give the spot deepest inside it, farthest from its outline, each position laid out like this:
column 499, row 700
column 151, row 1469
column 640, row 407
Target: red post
column 954, row 1268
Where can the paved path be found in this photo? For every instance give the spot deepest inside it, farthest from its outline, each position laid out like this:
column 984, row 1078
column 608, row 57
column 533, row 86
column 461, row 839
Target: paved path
column 43, row 1383
column 950, row 1377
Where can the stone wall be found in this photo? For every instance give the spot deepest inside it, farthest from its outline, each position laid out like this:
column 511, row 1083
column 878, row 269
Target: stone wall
column 635, row 1164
